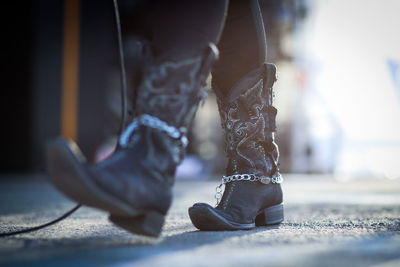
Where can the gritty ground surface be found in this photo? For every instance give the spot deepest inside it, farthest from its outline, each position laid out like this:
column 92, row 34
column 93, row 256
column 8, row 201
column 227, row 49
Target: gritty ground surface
column 328, row 223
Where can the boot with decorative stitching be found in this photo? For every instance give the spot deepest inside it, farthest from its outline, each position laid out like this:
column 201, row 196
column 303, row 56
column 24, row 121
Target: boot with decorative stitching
column 134, row 184
column 253, row 194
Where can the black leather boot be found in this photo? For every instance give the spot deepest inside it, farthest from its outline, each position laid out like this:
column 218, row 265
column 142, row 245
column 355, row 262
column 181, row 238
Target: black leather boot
column 134, row 184
column 253, row 195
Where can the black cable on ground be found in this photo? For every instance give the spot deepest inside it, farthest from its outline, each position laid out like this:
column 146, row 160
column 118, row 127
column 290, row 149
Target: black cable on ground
column 121, row 127
column 23, row 231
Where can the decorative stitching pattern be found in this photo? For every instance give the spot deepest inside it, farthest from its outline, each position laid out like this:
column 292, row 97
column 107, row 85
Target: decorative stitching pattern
column 249, row 122
column 173, row 88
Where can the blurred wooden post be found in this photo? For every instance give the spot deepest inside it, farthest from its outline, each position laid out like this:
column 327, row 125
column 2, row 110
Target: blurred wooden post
column 70, row 69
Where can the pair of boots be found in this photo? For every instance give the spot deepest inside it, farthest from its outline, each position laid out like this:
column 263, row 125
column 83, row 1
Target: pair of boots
column 134, row 184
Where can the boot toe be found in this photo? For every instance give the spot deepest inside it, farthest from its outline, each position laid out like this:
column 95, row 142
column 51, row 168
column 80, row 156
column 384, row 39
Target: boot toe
column 206, row 218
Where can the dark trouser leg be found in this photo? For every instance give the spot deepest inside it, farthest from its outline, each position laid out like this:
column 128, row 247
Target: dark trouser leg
column 242, row 46
column 182, row 28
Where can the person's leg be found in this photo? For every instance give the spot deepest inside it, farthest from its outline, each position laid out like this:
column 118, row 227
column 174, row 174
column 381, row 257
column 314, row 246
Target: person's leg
column 134, row 184
column 243, row 84
column 182, row 28
column 242, row 45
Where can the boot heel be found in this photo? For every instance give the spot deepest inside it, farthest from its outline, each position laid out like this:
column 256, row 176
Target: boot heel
column 271, row 215
column 149, row 224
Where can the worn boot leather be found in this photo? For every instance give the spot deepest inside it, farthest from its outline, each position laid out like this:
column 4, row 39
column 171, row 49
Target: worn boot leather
column 253, row 195
column 134, row 184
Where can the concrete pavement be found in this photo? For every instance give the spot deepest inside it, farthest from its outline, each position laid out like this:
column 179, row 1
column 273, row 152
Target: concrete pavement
column 327, row 223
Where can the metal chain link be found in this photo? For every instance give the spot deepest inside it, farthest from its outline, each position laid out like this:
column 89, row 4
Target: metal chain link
column 275, row 179
column 155, row 123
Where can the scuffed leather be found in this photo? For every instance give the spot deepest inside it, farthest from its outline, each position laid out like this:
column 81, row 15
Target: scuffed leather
column 244, row 200
column 141, row 173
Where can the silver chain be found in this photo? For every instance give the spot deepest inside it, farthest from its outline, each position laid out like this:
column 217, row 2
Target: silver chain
column 276, row 179
column 155, row 123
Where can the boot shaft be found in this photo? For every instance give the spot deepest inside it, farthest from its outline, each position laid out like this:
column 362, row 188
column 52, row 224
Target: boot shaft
column 172, row 90
column 167, row 100
column 248, row 120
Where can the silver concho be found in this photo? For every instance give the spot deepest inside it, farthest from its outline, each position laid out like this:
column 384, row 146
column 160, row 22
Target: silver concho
column 265, row 180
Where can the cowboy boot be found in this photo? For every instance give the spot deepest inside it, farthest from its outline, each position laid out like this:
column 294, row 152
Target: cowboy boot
column 134, row 184
column 253, row 195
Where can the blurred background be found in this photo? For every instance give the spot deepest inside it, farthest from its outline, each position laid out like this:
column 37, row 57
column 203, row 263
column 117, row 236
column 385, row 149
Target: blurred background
column 338, row 89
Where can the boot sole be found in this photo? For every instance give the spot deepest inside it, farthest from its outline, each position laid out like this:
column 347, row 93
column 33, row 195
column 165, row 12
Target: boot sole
column 67, row 173
column 205, row 218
